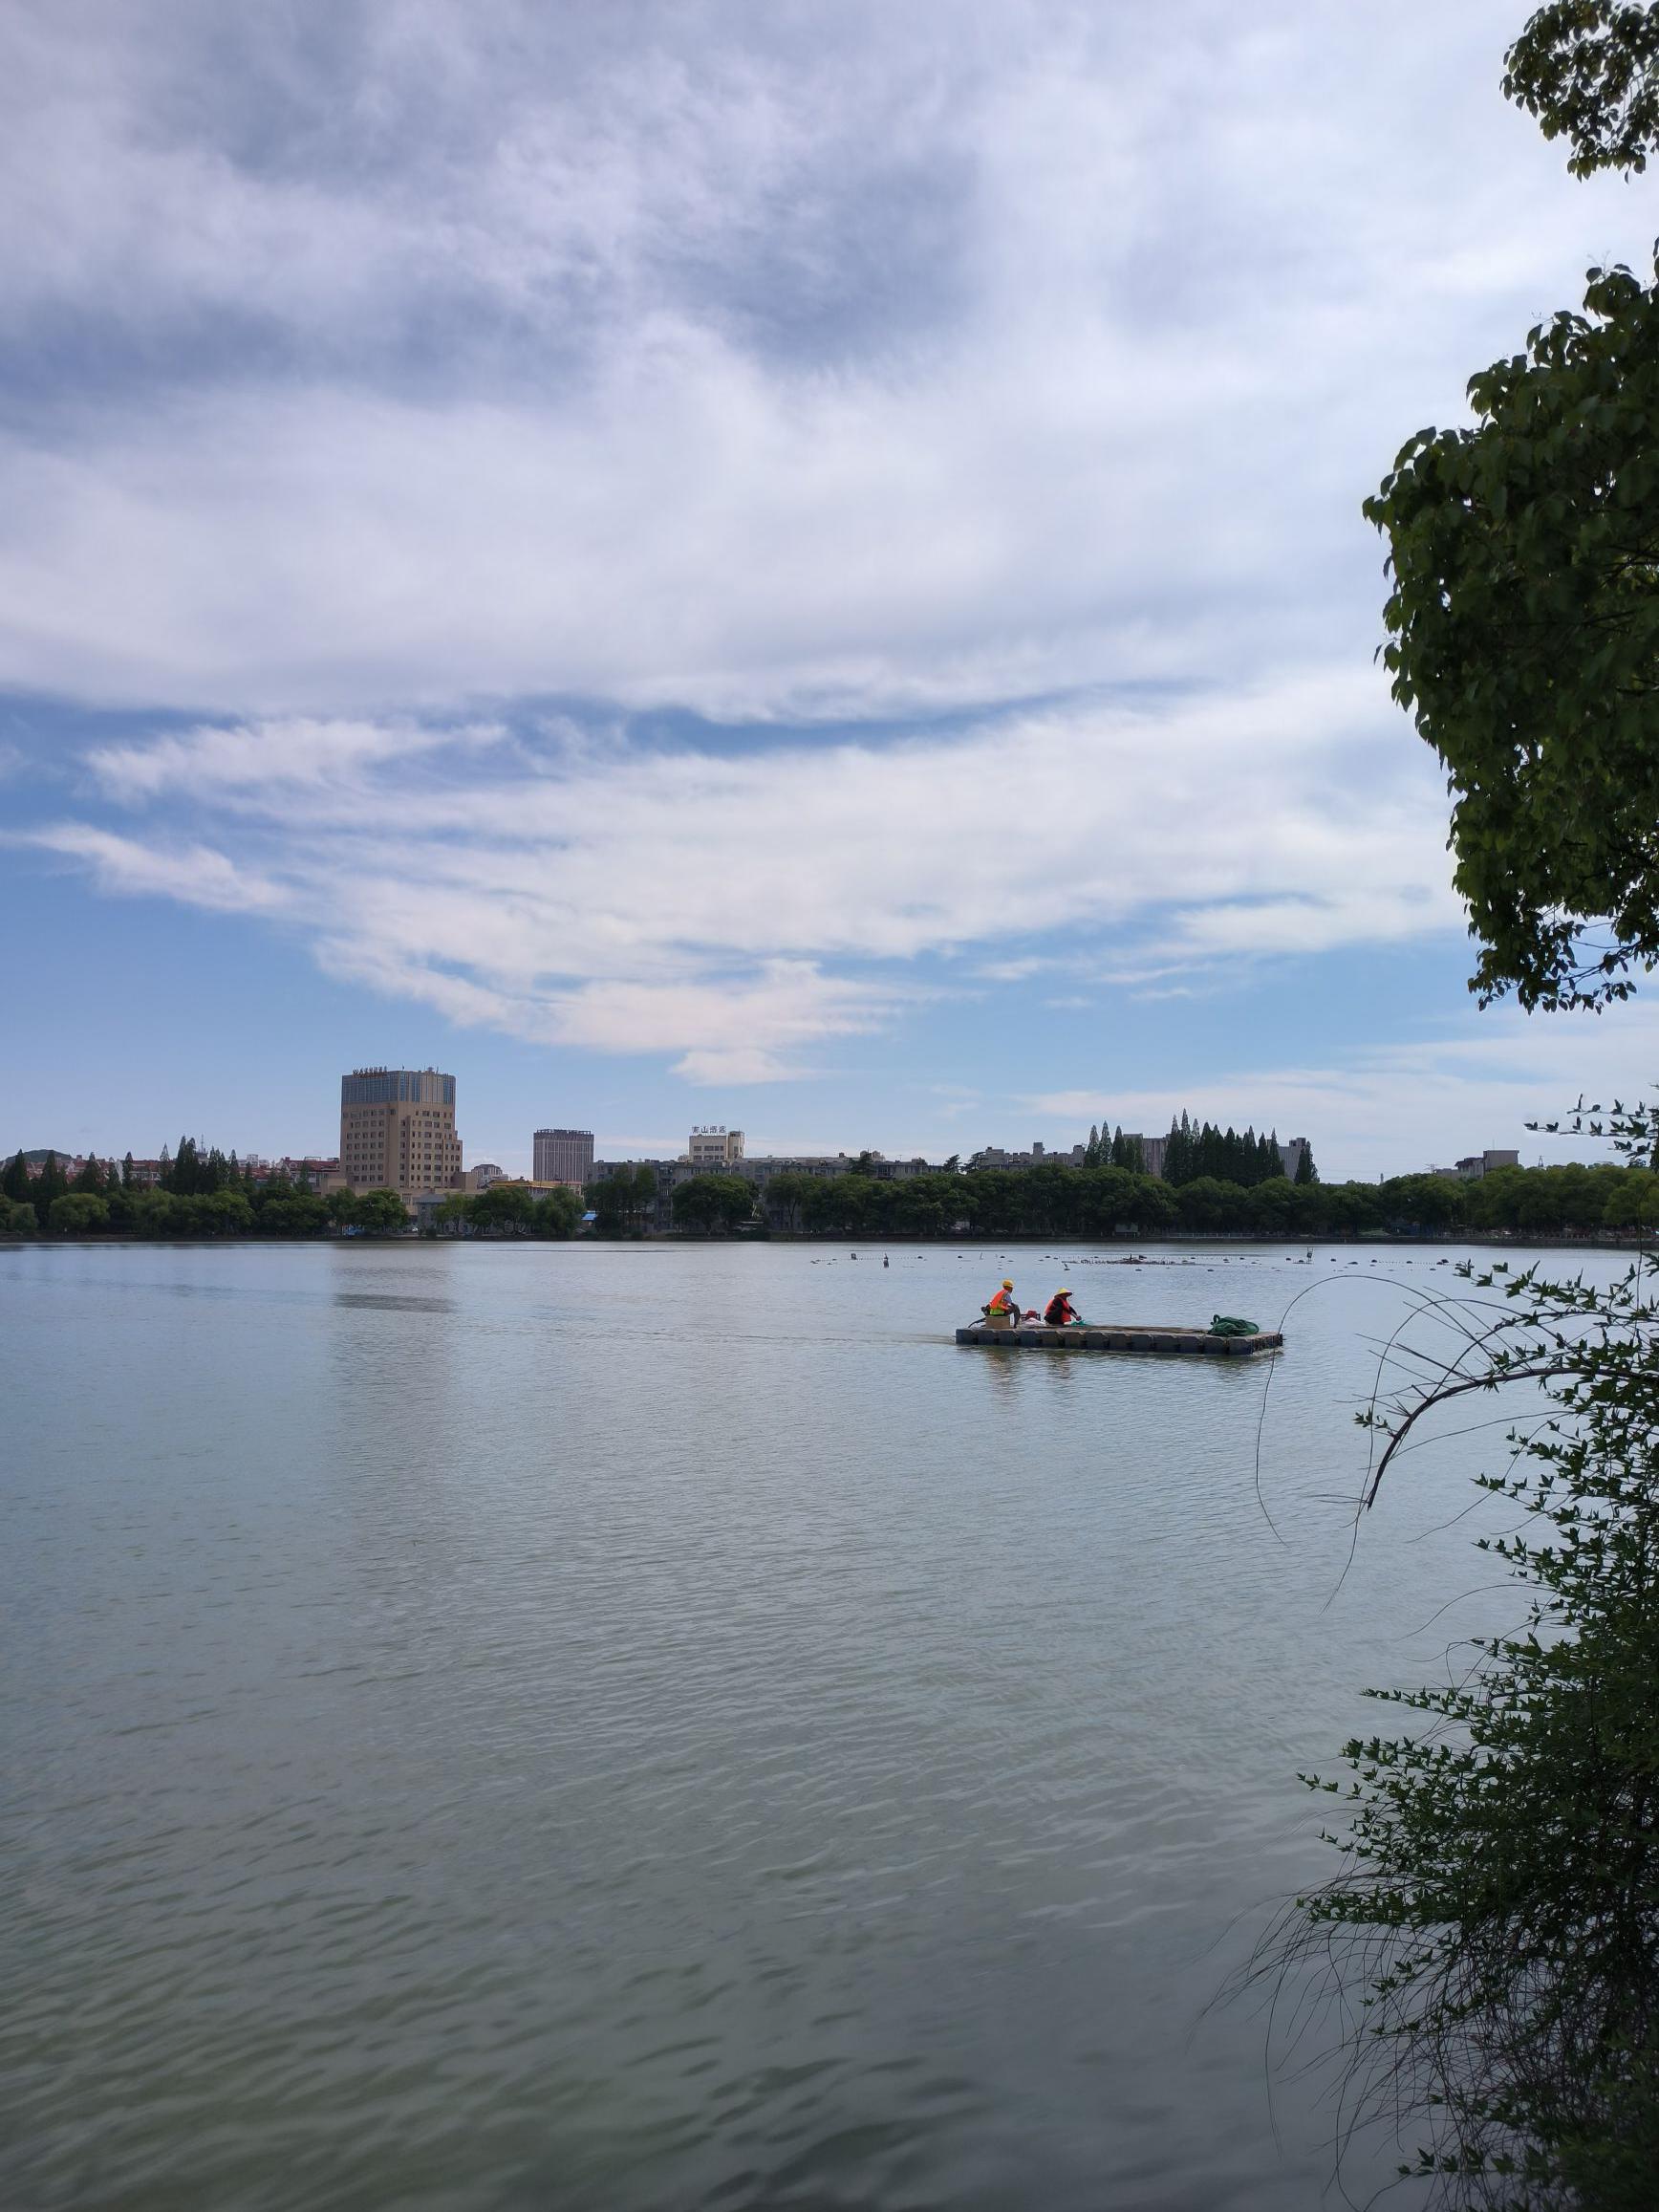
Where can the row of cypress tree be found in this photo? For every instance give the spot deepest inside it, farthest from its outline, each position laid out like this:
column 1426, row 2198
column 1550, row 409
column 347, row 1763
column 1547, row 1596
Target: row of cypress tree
column 1194, row 1150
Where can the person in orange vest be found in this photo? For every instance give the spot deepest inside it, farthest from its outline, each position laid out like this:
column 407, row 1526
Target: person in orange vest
column 1059, row 1313
column 1004, row 1308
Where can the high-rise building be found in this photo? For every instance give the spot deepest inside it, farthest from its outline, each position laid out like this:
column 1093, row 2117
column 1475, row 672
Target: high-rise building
column 397, row 1130
column 564, row 1155
column 713, row 1145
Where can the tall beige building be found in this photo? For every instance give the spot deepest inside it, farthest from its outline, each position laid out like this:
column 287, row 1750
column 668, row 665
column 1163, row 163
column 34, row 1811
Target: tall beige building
column 397, row 1130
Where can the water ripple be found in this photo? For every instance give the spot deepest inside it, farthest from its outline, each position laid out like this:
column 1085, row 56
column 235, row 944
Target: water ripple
column 496, row 1729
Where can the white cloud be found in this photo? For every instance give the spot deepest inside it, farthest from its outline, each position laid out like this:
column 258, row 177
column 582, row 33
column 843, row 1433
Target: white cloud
column 216, row 762
column 736, row 909
column 373, row 372
column 871, row 359
column 725, row 1070
column 194, row 875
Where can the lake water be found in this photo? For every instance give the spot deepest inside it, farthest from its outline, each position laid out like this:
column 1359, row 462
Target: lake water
column 494, row 1727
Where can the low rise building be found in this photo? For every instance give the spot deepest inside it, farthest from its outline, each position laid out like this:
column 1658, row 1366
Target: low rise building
column 1039, row 1156
column 1478, row 1164
column 310, row 1170
column 313, row 1168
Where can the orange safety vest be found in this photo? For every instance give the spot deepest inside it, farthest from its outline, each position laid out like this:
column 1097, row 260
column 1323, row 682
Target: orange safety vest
column 1002, row 1303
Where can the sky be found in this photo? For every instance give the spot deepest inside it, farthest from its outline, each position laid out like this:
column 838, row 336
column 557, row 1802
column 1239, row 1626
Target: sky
column 796, row 567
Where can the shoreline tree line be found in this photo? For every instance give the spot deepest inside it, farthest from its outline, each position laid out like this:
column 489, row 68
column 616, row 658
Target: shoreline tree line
column 202, row 1193
column 207, row 1193
column 1105, row 1203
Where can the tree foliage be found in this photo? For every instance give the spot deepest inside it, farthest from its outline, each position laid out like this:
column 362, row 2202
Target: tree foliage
column 622, row 1199
column 1051, row 1200
column 1523, row 615
column 509, row 1210
column 377, row 1212
column 715, row 1202
column 49, row 1185
column 77, row 1213
column 1200, row 1149
column 1499, row 1906
column 1588, row 70
column 1525, row 624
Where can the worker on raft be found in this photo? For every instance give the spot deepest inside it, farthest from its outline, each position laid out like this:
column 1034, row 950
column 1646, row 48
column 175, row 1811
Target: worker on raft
column 1059, row 1313
column 1004, row 1310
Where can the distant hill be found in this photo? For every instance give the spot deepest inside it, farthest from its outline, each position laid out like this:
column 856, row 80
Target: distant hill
column 38, row 1158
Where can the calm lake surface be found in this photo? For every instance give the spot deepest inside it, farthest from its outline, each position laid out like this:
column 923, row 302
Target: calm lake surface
column 497, row 1727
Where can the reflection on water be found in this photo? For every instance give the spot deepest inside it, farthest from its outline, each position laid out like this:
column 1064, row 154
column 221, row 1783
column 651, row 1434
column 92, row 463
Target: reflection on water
column 498, row 1727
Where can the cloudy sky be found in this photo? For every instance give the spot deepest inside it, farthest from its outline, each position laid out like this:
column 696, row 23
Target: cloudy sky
column 794, row 565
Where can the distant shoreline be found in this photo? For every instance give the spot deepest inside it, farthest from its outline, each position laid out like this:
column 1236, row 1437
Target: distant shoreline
column 1500, row 1240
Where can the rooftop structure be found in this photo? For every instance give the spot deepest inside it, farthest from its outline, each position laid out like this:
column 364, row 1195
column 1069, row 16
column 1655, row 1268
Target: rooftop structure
column 713, row 1145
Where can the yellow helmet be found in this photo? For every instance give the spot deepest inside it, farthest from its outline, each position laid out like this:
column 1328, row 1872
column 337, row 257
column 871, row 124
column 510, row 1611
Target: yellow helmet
column 1007, row 1282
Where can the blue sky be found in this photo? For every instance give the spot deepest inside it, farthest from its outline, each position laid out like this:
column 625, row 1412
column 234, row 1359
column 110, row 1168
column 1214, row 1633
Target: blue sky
column 798, row 567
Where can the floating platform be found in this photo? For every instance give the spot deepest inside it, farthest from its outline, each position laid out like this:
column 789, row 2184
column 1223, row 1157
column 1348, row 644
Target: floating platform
column 1145, row 1338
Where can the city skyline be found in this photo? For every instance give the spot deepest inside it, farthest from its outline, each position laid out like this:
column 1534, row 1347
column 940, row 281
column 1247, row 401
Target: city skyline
column 697, row 649
column 709, row 1145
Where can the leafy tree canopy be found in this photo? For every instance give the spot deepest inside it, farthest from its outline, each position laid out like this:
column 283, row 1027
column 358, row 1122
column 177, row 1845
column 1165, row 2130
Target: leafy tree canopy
column 1524, row 625
column 1588, row 70
column 380, row 1212
column 504, row 1205
column 621, row 1199
column 76, row 1213
column 709, row 1201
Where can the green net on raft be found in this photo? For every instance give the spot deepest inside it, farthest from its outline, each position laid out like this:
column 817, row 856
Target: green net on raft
column 1230, row 1325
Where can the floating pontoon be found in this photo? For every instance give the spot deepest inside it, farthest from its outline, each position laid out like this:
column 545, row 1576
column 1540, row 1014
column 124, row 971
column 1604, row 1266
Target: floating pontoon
column 1146, row 1337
